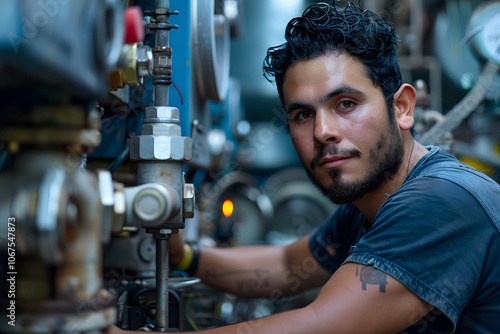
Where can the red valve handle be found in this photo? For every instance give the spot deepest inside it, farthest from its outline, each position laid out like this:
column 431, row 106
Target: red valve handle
column 134, row 26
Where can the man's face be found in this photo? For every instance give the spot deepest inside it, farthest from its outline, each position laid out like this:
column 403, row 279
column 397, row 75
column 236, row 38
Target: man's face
column 340, row 126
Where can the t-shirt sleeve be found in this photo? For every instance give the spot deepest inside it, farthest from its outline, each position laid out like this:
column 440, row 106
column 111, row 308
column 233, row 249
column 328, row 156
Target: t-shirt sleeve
column 331, row 242
column 423, row 239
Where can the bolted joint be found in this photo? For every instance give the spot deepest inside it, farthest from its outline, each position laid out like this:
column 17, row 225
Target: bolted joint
column 158, row 114
column 161, row 129
column 188, row 200
column 152, row 147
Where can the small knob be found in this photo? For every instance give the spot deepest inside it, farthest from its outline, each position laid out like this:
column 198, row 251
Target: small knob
column 134, row 25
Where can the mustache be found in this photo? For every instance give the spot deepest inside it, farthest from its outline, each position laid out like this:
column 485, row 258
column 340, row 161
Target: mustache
column 333, row 150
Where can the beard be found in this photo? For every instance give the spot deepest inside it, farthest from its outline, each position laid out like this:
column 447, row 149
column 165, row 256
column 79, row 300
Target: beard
column 385, row 158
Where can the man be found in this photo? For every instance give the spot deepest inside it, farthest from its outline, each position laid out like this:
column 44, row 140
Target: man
column 414, row 247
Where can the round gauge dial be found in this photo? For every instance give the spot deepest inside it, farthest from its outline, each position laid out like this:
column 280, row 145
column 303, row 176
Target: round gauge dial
column 485, row 28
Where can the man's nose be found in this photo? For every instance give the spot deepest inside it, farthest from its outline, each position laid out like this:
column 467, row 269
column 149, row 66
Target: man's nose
column 326, row 127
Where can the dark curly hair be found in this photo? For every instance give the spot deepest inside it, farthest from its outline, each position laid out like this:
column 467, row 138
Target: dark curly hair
column 324, row 28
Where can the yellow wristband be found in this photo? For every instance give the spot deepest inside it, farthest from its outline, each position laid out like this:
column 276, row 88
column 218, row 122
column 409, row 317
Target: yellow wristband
column 187, row 259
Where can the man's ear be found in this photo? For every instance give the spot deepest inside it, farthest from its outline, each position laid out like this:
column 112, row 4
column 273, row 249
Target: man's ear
column 404, row 104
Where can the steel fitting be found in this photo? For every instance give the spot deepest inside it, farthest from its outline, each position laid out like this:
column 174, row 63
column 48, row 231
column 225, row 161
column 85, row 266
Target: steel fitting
column 152, row 147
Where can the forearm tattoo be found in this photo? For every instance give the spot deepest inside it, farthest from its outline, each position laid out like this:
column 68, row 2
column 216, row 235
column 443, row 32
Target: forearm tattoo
column 370, row 275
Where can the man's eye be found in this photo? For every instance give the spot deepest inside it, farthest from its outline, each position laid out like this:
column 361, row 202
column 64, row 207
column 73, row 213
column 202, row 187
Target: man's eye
column 346, row 105
column 304, row 115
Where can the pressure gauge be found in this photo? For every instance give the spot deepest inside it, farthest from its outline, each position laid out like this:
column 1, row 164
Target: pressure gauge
column 484, row 31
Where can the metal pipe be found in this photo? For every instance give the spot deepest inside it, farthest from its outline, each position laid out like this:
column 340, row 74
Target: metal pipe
column 160, row 168
column 162, row 3
column 163, row 54
column 153, row 170
column 162, row 315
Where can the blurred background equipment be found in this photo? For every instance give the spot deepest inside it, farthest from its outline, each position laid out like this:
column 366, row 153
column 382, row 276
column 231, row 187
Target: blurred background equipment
column 124, row 122
column 55, row 58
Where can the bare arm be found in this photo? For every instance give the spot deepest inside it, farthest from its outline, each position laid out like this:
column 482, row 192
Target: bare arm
column 356, row 299
column 261, row 271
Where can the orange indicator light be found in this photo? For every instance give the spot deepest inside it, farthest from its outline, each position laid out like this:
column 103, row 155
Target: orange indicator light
column 227, row 208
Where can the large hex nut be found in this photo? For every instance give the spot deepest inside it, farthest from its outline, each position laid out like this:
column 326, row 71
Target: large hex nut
column 188, row 200
column 161, row 114
column 161, row 129
column 150, row 147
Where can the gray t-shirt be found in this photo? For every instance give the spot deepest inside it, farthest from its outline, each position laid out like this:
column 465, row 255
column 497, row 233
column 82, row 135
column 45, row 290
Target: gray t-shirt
column 439, row 235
